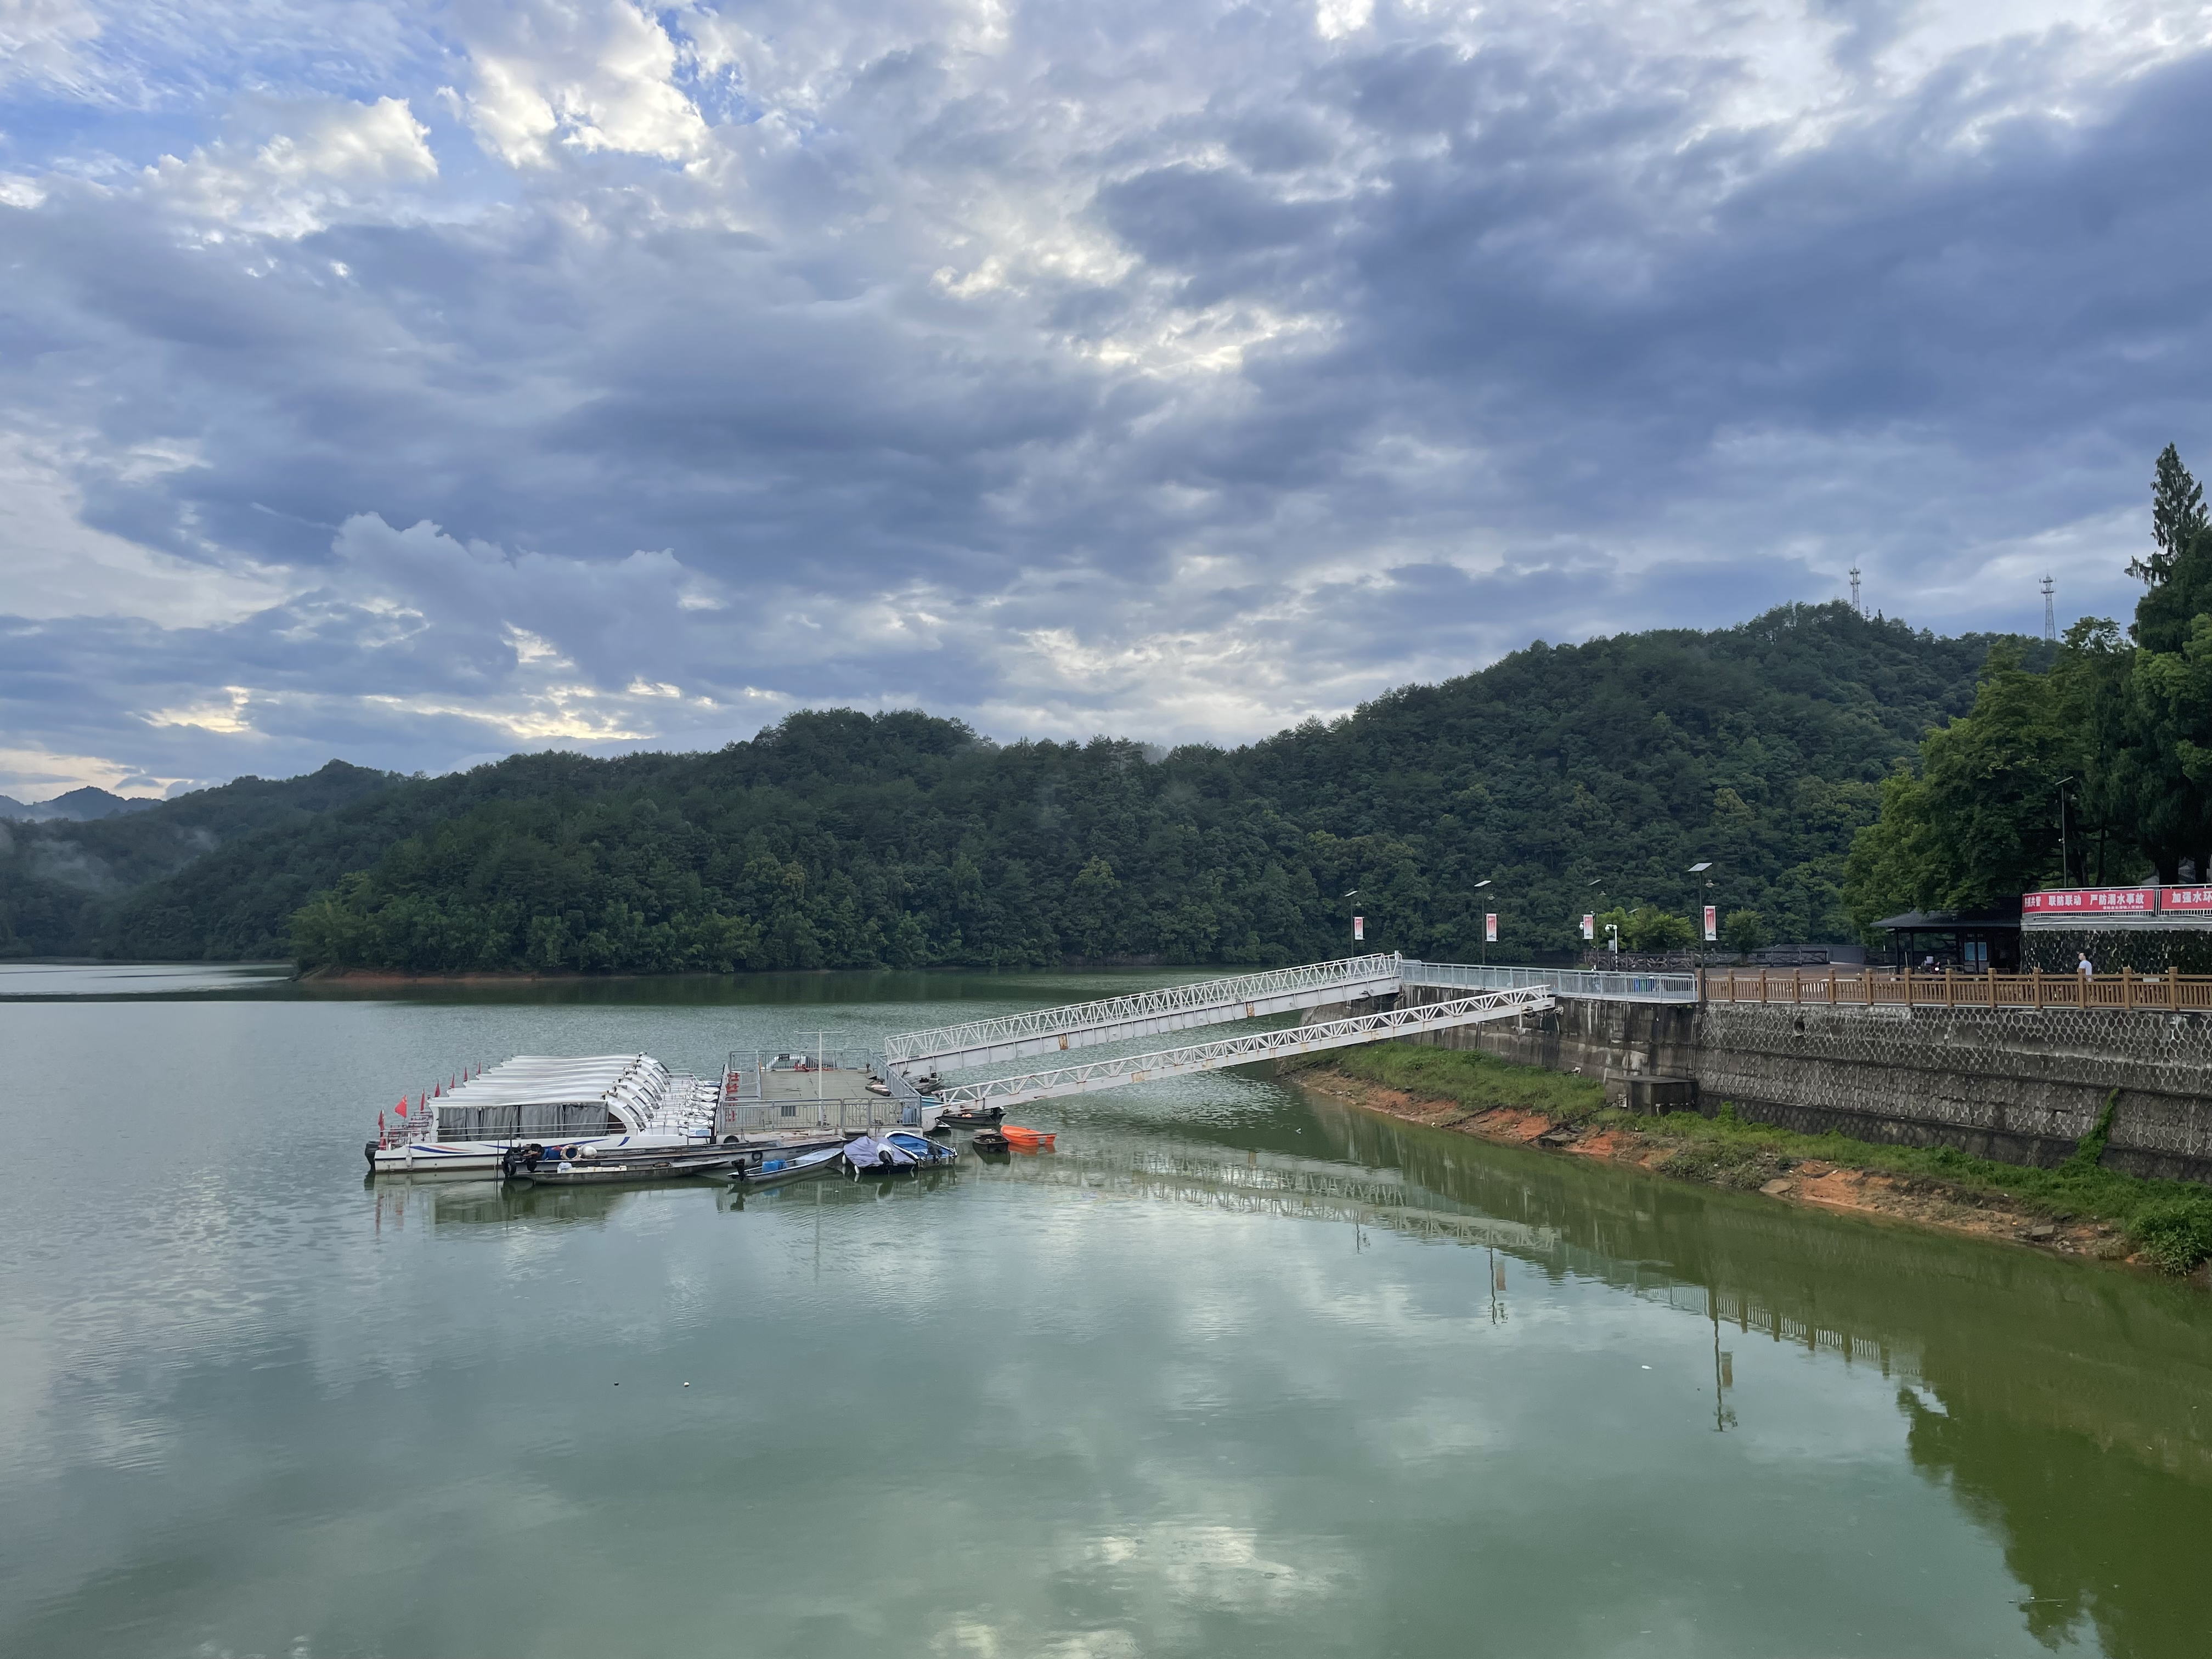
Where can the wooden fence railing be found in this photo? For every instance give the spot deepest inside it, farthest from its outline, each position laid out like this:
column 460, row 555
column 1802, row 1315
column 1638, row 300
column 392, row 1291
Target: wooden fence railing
column 1860, row 988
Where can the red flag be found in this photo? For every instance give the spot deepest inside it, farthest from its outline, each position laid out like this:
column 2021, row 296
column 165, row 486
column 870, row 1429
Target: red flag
column 435, row 1091
column 403, row 1105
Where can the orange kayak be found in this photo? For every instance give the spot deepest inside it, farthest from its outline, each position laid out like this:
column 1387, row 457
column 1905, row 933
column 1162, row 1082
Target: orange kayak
column 1031, row 1138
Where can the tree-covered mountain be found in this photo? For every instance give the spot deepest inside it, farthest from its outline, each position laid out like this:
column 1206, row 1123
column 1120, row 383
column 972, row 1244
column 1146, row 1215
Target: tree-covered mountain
column 1569, row 779
column 65, row 883
column 77, row 806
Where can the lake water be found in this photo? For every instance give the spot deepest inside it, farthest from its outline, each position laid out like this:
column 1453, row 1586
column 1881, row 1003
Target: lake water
column 1234, row 1371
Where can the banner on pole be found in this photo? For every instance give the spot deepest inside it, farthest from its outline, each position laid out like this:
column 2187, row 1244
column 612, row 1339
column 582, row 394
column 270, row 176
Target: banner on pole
column 1490, row 928
column 1358, row 927
column 1589, row 928
column 1712, row 923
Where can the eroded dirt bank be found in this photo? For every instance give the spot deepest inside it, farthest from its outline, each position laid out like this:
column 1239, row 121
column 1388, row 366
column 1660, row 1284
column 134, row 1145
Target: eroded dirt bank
column 1818, row 1182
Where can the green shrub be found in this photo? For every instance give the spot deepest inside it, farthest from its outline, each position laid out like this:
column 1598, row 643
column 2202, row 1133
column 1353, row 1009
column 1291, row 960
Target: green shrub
column 2176, row 1233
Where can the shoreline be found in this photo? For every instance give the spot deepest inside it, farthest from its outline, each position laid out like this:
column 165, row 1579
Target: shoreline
column 1824, row 1183
column 573, row 977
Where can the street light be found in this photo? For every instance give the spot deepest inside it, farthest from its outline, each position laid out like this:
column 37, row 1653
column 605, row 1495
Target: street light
column 1479, row 886
column 1699, row 869
column 2065, row 870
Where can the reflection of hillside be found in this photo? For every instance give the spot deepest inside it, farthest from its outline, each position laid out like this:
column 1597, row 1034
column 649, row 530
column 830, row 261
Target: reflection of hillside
column 2090, row 1536
column 2068, row 1405
column 2124, row 1361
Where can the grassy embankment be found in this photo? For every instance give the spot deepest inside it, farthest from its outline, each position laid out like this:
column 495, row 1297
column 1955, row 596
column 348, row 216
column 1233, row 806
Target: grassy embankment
column 2169, row 1222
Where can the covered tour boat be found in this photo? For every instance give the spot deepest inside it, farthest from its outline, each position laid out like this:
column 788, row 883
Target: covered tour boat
column 543, row 1101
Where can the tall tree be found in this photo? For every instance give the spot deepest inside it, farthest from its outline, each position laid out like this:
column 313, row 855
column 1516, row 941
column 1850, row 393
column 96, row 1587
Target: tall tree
column 1980, row 823
column 2177, row 518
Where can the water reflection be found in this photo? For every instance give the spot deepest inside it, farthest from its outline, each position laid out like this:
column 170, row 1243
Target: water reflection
column 2066, row 1405
column 1233, row 1372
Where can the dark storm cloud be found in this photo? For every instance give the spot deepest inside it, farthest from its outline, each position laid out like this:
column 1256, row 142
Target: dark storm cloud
column 1174, row 372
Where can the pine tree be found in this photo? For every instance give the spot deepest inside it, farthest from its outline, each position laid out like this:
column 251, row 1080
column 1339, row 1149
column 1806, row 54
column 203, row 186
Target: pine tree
column 2176, row 516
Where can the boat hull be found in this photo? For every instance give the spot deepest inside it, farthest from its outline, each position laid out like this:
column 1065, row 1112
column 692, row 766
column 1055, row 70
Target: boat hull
column 608, row 1172
column 776, row 1172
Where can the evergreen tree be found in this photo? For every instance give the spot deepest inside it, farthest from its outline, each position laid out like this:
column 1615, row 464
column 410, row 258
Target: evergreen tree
column 2177, row 518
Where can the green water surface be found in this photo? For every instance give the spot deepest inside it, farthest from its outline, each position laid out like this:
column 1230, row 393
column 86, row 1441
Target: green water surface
column 1234, row 1370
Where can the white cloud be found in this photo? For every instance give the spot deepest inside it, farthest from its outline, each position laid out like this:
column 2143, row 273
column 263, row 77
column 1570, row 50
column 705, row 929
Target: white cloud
column 587, row 76
column 43, row 39
column 336, row 160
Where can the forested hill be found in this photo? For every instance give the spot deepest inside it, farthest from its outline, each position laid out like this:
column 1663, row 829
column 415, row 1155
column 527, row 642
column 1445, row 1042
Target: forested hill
column 1572, row 778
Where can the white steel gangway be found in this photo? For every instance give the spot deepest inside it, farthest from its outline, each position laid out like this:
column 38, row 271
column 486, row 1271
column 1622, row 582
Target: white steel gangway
column 1145, row 1013
column 1243, row 1050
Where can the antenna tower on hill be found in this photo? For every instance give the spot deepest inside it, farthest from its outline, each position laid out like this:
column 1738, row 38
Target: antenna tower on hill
column 1855, row 606
column 2049, row 612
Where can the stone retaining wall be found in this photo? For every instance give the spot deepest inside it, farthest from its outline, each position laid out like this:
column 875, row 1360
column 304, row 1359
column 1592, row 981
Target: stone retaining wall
column 2017, row 1085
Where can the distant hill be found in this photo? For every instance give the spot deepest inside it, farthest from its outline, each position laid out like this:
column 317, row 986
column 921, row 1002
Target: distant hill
column 63, row 881
column 1566, row 778
column 77, row 806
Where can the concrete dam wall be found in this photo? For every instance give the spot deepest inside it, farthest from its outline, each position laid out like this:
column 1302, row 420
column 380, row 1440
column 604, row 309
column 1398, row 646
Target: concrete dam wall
column 2022, row 1085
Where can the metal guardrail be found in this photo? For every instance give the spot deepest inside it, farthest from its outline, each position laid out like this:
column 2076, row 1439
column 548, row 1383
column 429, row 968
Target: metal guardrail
column 2171, row 991
column 1562, row 981
column 1351, row 976
column 1245, row 1050
column 1283, row 987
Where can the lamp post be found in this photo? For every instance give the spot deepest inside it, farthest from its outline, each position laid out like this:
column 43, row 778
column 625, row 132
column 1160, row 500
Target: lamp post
column 1704, row 869
column 1479, row 886
column 1356, row 929
column 2065, row 870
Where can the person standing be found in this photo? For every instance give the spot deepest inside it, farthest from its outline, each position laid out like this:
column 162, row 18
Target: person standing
column 2085, row 968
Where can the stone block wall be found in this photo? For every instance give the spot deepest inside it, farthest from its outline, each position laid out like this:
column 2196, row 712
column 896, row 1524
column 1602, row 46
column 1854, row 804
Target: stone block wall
column 2017, row 1085
column 1586, row 1036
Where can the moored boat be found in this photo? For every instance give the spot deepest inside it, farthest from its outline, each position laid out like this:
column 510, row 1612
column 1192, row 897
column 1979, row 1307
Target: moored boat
column 546, row 1101
column 893, row 1149
column 624, row 1158
column 972, row 1117
column 774, row 1169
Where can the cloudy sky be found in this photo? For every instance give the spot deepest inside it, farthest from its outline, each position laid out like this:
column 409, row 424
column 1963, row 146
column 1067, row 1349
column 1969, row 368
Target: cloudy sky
column 417, row 382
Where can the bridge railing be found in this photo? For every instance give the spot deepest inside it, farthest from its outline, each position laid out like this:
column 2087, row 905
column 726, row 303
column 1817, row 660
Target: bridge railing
column 1245, row 1048
column 1353, row 974
column 1564, row 981
column 2172, row 990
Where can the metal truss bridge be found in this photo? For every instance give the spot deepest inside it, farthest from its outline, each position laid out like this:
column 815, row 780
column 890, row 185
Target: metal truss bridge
column 913, row 1059
column 1084, row 1024
column 1245, row 1050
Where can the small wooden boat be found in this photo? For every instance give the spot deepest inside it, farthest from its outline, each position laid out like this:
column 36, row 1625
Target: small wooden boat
column 603, row 1163
column 1028, row 1141
column 989, row 1141
column 973, row 1117
column 774, row 1172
